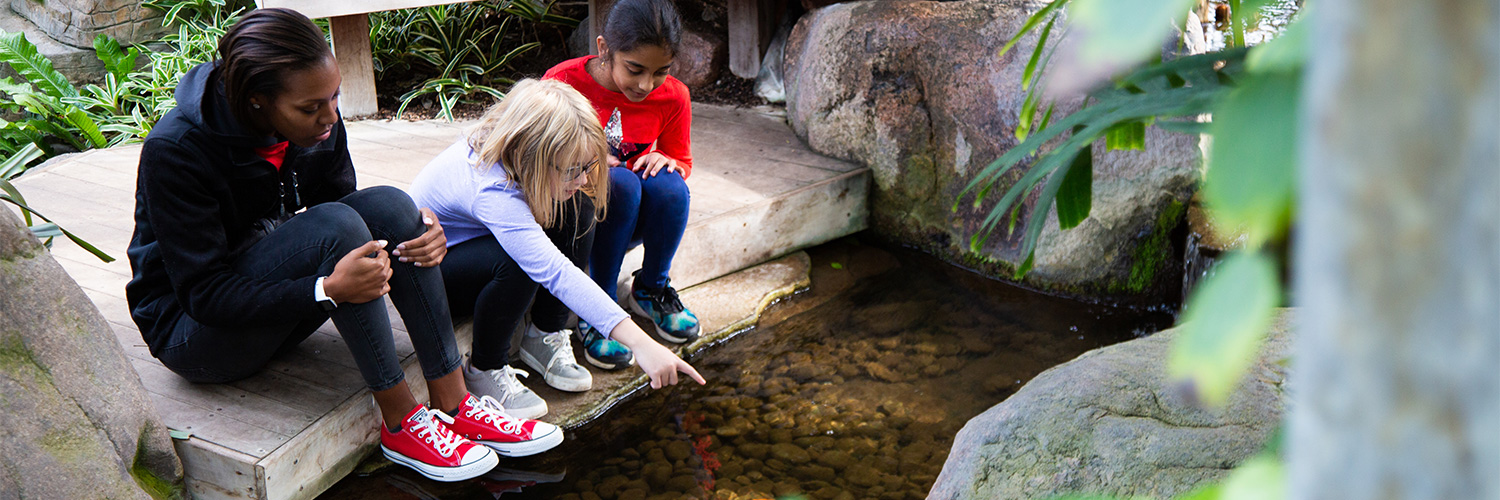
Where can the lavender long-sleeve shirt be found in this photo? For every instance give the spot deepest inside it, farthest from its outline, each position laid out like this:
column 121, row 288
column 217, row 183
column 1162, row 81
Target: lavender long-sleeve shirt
column 474, row 202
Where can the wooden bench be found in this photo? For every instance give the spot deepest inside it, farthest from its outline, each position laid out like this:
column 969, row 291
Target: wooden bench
column 350, row 24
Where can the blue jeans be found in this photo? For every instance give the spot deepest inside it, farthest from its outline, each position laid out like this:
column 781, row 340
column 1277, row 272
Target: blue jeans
column 309, row 244
column 651, row 212
column 485, row 282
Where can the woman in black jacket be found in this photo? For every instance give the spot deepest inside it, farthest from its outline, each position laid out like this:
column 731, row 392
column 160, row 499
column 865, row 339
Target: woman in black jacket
column 249, row 235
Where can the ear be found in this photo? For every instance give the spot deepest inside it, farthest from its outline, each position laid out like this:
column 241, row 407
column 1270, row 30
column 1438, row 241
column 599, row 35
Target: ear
column 602, row 48
column 258, row 101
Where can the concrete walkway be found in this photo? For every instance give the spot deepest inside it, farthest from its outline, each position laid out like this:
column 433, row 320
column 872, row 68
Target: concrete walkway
column 306, row 421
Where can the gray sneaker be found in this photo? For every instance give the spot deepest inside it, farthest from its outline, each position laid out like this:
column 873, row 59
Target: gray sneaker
column 517, row 399
column 551, row 353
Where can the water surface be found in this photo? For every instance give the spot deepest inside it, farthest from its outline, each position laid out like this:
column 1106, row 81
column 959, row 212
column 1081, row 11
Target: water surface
column 856, row 391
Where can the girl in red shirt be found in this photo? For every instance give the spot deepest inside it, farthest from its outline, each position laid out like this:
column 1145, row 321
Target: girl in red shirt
column 646, row 115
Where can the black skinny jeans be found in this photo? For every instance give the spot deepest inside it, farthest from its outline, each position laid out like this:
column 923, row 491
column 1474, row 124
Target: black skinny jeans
column 485, row 283
column 311, row 243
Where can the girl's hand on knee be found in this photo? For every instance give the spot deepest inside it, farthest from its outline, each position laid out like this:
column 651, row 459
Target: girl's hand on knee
column 651, row 163
column 361, row 276
column 428, row 249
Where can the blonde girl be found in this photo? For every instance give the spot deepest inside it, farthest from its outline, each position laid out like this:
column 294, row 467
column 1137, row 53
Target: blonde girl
column 519, row 197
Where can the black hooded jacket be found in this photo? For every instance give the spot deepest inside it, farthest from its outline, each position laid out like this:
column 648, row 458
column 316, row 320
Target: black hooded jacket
column 200, row 192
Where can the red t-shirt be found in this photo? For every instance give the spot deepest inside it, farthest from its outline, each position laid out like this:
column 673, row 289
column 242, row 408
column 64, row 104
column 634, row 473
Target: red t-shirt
column 664, row 118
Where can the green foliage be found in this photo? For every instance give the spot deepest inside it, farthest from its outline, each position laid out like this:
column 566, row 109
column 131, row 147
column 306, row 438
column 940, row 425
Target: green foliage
column 460, row 50
column 1252, row 95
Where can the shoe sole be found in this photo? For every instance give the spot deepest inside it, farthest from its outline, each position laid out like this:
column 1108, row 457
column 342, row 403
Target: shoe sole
column 556, row 382
column 635, row 306
column 608, row 366
column 526, row 448
column 445, row 474
column 529, row 413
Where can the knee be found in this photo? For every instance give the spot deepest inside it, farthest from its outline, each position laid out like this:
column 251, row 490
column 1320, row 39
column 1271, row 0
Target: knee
column 340, row 224
column 387, row 210
column 666, row 189
column 624, row 190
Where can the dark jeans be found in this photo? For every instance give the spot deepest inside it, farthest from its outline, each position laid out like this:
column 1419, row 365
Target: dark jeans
column 651, row 212
column 309, row 244
column 485, row 283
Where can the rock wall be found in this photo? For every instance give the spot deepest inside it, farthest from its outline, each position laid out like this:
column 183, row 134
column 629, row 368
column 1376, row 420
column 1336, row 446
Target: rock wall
column 914, row 90
column 79, row 424
column 77, row 22
column 1109, row 422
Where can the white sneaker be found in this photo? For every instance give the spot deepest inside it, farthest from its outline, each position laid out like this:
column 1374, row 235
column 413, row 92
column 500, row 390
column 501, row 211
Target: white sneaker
column 551, row 353
column 518, row 400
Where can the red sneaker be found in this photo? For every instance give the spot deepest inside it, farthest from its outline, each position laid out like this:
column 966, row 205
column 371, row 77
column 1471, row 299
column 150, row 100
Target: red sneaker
column 426, row 444
column 484, row 421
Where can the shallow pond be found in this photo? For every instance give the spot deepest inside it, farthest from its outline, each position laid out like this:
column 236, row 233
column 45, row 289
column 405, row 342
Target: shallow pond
column 855, row 390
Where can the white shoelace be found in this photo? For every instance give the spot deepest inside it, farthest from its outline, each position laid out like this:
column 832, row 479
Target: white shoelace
column 562, row 348
column 490, row 412
column 439, row 436
column 506, row 377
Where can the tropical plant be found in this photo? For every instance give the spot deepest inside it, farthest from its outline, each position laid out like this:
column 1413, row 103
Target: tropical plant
column 1250, row 93
column 464, row 46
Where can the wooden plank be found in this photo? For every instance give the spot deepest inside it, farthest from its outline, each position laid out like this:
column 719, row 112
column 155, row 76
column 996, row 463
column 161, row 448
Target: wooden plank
column 744, row 38
column 351, row 47
column 215, row 472
column 215, row 426
column 331, row 8
column 598, row 14
column 314, row 460
column 258, row 424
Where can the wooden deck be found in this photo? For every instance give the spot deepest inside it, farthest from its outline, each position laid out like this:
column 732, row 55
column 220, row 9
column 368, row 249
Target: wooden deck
column 303, row 423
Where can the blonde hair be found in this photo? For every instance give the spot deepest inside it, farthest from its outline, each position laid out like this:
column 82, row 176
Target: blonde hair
column 538, row 124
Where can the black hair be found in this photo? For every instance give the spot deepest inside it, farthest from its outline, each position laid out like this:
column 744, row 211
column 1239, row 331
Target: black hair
column 637, row 23
column 261, row 48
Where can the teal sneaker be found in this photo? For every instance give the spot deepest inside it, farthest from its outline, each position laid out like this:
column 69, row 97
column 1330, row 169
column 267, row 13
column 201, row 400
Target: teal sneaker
column 603, row 352
column 674, row 323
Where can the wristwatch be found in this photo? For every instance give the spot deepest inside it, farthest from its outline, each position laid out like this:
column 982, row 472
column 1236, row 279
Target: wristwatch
column 323, row 301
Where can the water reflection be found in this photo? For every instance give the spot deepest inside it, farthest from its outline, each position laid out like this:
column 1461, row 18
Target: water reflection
column 859, row 396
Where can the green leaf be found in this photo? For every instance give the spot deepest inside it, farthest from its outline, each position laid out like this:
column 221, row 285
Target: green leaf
column 1075, row 196
column 1031, row 23
column 1223, row 325
column 87, row 127
column 18, row 162
column 836, row 265
column 1262, row 477
column 1025, row 266
column 1125, row 136
column 1249, row 183
column 1123, row 32
column 1036, row 55
column 23, row 57
column 117, row 61
column 13, row 197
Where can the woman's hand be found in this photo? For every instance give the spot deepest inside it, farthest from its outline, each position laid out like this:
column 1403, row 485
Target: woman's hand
column 653, row 358
column 649, row 164
column 361, row 275
column 428, row 249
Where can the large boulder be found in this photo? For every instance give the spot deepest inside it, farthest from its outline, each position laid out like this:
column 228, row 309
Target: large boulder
column 78, row 422
column 914, row 90
column 1109, row 422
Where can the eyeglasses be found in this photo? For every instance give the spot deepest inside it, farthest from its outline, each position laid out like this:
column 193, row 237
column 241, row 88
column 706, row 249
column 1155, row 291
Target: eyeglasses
column 572, row 173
